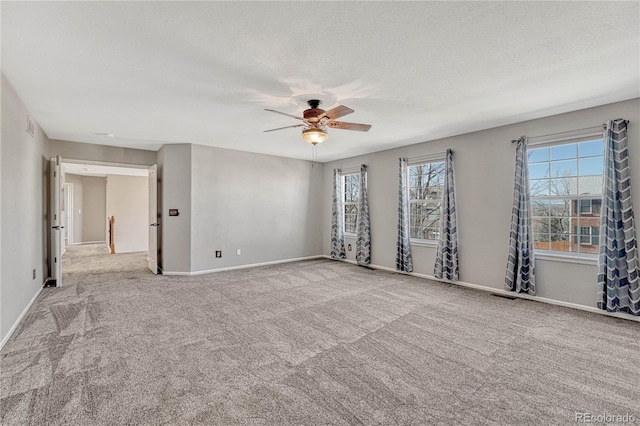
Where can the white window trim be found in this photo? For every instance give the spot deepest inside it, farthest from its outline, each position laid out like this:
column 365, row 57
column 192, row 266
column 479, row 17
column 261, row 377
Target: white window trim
column 569, row 257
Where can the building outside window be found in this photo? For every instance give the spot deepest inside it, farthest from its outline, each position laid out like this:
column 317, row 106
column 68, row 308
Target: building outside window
column 426, row 184
column 566, row 183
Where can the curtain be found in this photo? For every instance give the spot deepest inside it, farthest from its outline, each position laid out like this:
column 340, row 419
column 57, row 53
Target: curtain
column 520, row 275
column 618, row 264
column 404, row 261
column 363, row 240
column 446, row 266
column 337, row 218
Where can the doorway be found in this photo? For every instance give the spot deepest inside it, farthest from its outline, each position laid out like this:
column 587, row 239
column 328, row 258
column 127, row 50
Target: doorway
column 104, row 207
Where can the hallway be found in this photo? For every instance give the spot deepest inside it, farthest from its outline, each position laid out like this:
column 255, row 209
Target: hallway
column 87, row 263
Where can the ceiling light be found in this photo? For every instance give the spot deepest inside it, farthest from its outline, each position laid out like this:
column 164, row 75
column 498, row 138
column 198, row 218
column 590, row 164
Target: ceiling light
column 314, row 136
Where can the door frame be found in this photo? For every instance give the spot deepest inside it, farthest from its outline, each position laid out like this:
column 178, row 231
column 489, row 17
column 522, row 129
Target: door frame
column 104, row 163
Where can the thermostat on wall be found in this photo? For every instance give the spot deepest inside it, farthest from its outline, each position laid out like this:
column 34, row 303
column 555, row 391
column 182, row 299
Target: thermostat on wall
column 174, row 212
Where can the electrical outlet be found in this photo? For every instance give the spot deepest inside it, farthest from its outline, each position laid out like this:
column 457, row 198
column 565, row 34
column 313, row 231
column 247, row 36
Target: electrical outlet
column 238, row 252
column 34, row 274
column 218, row 253
column 349, row 247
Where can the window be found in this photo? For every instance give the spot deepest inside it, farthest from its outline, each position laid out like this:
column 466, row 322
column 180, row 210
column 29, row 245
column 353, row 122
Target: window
column 565, row 182
column 351, row 193
column 426, row 182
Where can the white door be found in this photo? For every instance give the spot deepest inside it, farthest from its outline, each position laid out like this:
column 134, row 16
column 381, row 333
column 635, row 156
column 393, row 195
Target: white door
column 55, row 220
column 153, row 218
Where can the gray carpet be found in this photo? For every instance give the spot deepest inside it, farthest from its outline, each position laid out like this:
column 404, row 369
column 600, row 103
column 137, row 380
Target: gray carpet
column 315, row 342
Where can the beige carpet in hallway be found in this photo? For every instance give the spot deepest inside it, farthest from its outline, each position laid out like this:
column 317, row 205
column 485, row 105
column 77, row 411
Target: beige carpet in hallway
column 82, row 260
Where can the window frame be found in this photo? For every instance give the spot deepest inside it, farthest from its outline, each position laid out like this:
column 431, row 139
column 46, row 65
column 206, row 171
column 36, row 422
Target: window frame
column 578, row 199
column 349, row 203
column 422, row 162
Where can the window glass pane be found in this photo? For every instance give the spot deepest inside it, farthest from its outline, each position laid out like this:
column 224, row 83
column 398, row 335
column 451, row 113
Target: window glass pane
column 540, row 154
column 591, row 166
column 587, row 223
column 539, row 207
column 560, row 242
column 562, row 152
column 540, row 225
column 564, row 168
column 432, row 233
column 558, row 225
column 561, row 221
column 591, row 184
column 539, row 188
column 585, row 206
column 539, row 171
column 425, row 183
column 589, row 209
column 564, row 186
column 541, row 241
column 560, row 208
column 588, row 149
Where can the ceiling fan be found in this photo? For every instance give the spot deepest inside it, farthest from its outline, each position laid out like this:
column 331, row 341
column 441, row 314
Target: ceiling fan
column 316, row 121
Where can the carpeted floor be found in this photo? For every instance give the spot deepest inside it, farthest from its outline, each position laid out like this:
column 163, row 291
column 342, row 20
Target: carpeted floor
column 316, row 342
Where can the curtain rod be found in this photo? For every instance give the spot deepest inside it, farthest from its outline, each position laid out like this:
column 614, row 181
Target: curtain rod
column 594, row 128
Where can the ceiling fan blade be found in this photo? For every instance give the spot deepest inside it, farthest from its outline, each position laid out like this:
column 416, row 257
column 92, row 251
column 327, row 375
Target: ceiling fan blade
column 337, row 112
column 285, row 127
column 284, row 113
column 349, row 126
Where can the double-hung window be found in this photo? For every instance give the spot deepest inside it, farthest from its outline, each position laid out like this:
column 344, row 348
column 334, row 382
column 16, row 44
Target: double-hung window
column 566, row 184
column 426, row 184
column 351, row 194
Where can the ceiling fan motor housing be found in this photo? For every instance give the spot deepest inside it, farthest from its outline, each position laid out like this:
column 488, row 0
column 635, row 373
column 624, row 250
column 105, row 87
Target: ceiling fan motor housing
column 313, row 112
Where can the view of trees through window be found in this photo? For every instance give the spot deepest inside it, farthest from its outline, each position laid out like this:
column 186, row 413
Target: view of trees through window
column 426, row 183
column 351, row 193
column 566, row 182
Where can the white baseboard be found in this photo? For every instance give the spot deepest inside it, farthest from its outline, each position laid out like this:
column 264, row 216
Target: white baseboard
column 15, row 324
column 504, row 292
column 251, row 265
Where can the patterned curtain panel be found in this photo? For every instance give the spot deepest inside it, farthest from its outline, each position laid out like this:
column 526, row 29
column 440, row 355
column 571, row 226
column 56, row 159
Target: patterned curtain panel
column 363, row 241
column 446, row 266
column 618, row 264
column 404, row 261
column 337, row 218
column 521, row 264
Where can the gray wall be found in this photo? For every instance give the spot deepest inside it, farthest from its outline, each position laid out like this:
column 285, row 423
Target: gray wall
column 89, row 208
column 484, row 164
column 101, row 153
column 174, row 173
column 267, row 206
column 23, row 225
column 128, row 202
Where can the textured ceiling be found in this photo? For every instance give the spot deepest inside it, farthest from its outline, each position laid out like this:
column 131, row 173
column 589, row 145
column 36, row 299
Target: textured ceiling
column 178, row 72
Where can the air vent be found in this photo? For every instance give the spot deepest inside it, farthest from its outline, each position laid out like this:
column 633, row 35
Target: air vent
column 31, row 127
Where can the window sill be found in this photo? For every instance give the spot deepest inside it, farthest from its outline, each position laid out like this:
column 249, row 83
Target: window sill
column 567, row 258
column 424, row 243
column 352, row 236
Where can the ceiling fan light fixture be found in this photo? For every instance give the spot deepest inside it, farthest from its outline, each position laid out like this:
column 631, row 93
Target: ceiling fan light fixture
column 314, row 136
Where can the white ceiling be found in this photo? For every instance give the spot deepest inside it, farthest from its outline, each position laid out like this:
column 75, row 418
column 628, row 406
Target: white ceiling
column 101, row 170
column 182, row 72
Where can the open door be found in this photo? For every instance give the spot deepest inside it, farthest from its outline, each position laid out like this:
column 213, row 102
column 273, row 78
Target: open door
column 153, row 219
column 55, row 219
